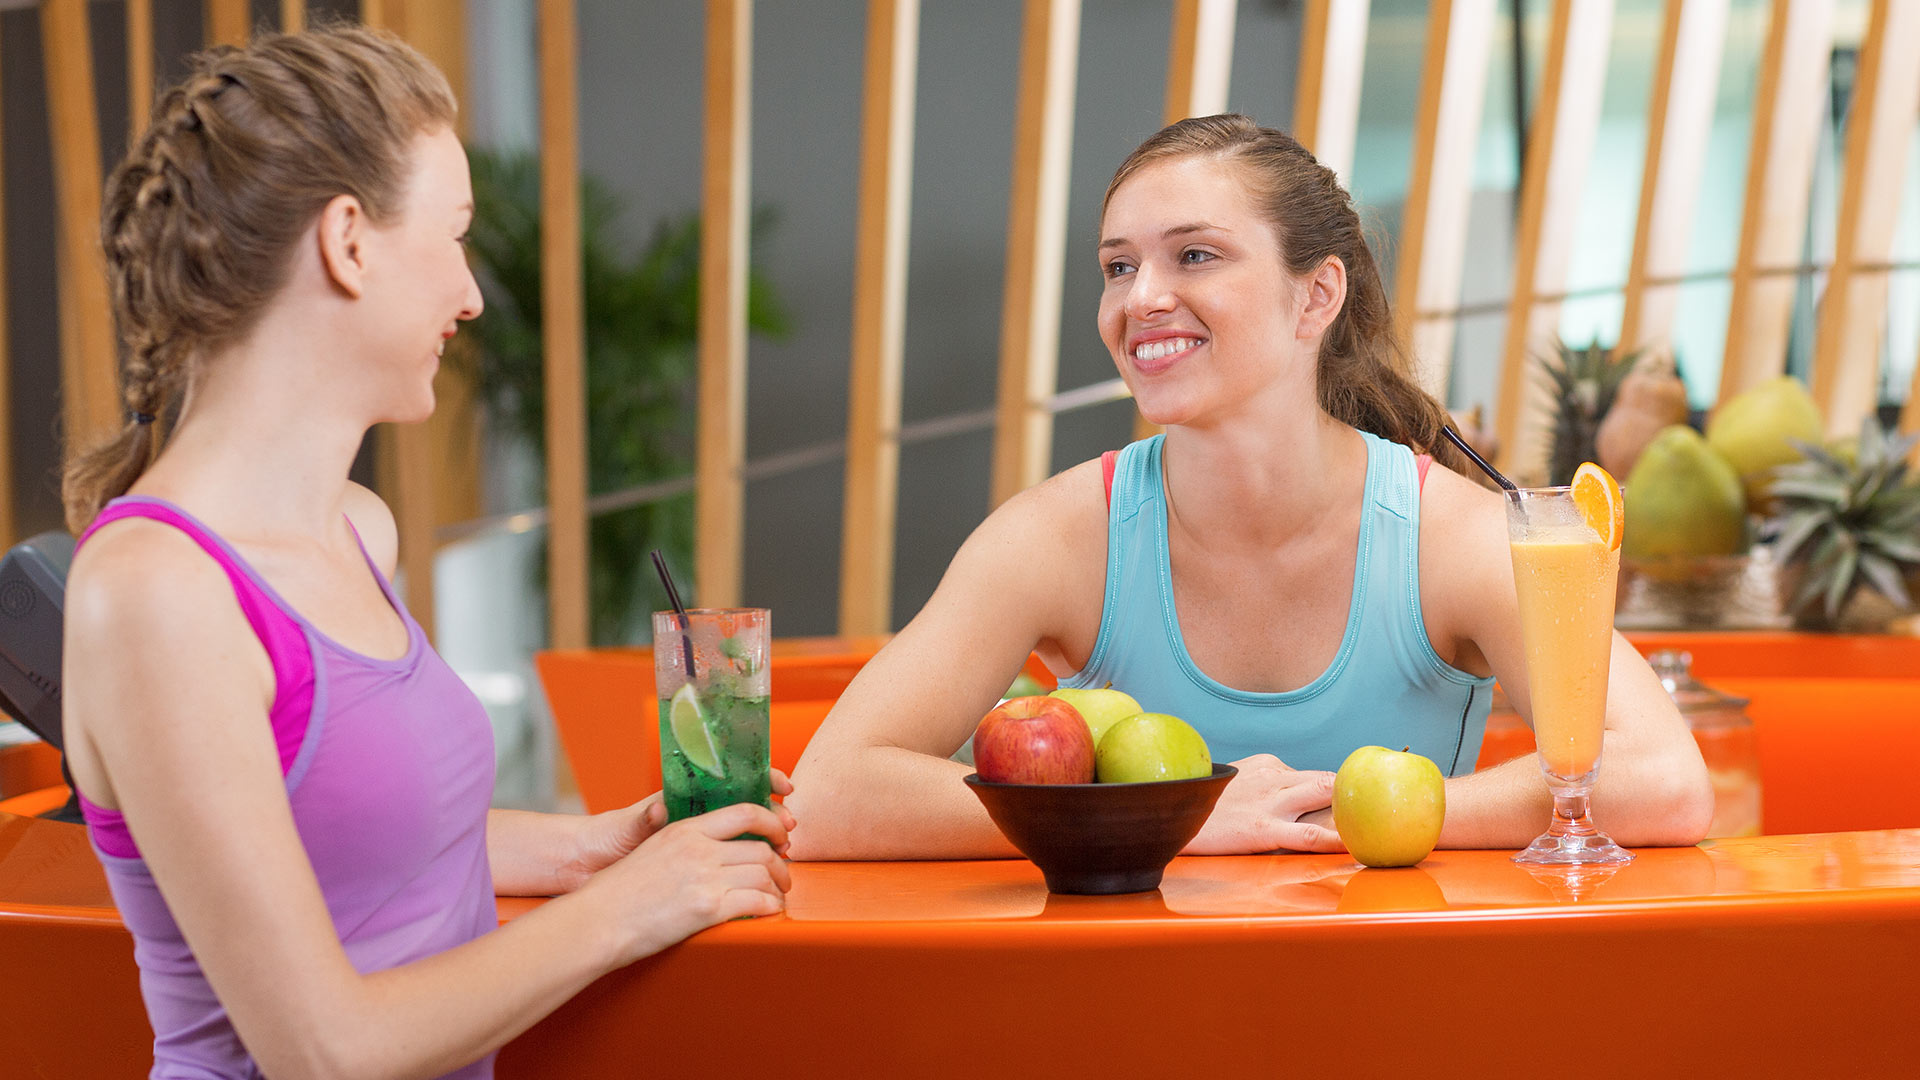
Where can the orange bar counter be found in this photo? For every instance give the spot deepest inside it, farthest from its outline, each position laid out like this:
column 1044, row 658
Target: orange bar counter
column 1771, row 956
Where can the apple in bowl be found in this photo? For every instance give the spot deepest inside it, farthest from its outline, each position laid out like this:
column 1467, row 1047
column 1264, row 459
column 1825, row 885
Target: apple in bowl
column 1034, row 740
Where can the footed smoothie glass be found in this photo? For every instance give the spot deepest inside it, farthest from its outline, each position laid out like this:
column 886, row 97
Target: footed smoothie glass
column 1565, row 573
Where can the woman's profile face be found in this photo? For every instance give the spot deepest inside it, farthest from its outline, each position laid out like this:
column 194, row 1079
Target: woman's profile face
column 420, row 286
column 1197, row 312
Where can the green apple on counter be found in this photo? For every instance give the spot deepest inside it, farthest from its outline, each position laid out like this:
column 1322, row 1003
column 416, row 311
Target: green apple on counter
column 1100, row 708
column 1388, row 805
column 1151, row 746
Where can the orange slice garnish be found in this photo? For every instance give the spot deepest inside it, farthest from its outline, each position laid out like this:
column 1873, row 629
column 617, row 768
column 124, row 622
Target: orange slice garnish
column 1600, row 503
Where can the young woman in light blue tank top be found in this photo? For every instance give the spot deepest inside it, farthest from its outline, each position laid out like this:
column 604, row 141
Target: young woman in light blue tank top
column 287, row 788
column 1271, row 569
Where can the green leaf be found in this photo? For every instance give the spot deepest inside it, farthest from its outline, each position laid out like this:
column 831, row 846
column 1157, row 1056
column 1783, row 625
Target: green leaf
column 1840, row 583
column 1797, row 530
column 1902, row 546
column 1826, row 491
column 1884, row 576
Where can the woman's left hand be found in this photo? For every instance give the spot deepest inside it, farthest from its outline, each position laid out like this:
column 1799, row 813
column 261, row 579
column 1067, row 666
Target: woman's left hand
column 603, row 839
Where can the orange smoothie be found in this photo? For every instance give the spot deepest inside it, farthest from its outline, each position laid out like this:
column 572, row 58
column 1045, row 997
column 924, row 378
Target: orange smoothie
column 1566, row 589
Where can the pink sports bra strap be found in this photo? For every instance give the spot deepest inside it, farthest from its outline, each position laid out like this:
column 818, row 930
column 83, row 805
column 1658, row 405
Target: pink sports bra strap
column 1107, row 462
column 1423, row 462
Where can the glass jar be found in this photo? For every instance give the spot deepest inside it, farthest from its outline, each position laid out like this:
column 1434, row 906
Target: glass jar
column 1723, row 729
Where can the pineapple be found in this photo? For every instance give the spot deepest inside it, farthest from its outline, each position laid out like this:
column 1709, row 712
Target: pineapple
column 1848, row 523
column 1584, row 382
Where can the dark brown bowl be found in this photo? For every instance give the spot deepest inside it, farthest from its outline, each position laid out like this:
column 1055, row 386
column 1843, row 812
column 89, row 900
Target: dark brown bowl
column 1102, row 838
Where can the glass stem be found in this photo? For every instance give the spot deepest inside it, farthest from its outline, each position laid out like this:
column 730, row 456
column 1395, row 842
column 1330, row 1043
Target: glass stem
column 1570, row 817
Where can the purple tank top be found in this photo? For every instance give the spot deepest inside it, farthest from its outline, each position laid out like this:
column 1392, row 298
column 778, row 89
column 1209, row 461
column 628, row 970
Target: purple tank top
column 389, row 772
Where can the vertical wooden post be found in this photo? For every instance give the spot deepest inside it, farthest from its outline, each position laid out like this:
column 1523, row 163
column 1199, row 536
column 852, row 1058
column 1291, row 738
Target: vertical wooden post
column 1433, row 225
column 1853, row 310
column 89, row 371
column 1036, row 246
column 1792, row 93
column 1679, row 121
column 1199, row 58
column 139, row 67
column 563, row 328
column 879, row 318
column 1326, row 98
column 1559, row 143
column 7, row 526
column 293, row 16
column 720, row 495
column 226, row 21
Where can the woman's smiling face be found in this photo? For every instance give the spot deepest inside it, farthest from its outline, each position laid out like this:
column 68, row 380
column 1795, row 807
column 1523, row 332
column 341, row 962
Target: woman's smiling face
column 1198, row 311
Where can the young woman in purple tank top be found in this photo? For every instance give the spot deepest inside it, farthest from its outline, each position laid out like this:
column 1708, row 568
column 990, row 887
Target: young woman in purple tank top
column 287, row 788
column 1246, row 315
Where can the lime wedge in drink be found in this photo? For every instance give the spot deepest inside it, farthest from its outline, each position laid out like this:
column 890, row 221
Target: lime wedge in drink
column 690, row 731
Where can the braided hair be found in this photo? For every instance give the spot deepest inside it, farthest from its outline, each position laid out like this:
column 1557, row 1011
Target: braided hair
column 200, row 219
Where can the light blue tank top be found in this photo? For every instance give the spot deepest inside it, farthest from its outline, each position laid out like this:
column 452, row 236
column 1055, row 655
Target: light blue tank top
column 1386, row 686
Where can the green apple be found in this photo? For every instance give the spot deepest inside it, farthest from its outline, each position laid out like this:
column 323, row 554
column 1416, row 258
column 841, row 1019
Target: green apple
column 1388, row 806
column 1151, row 746
column 1100, row 708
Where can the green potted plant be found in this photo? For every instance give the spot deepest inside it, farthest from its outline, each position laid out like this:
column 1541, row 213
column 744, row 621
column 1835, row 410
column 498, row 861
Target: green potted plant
column 1847, row 518
column 642, row 329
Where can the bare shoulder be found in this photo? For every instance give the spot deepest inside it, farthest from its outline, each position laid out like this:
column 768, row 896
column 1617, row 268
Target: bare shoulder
column 1463, row 563
column 135, row 573
column 1039, row 561
column 373, row 520
column 152, row 626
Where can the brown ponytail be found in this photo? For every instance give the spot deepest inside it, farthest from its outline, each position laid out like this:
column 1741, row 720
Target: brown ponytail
column 201, row 217
column 1364, row 375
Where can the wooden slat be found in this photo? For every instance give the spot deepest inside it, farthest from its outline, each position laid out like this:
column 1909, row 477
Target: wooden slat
column 1433, row 224
column 1199, row 58
column 1853, row 310
column 563, row 327
column 139, row 67
column 88, row 372
column 1679, row 122
column 7, row 526
column 1199, row 70
column 226, row 21
column 720, row 496
column 430, row 469
column 1326, row 98
column 1792, row 93
column 879, row 318
column 293, row 15
column 1559, row 144
column 1036, row 246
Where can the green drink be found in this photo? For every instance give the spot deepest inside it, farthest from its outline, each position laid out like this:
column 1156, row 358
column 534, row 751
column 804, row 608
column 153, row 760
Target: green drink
column 714, row 746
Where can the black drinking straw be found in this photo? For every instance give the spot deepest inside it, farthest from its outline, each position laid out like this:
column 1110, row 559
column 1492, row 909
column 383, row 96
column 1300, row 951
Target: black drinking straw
column 673, row 597
column 1452, row 437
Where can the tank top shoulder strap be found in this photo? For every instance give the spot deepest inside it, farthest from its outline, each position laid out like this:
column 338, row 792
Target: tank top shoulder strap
column 282, row 635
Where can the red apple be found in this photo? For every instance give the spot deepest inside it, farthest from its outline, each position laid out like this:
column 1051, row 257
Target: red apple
column 1034, row 740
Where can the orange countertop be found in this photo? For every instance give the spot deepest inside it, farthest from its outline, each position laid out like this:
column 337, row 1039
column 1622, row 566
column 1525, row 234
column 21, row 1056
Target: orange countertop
column 1779, row 955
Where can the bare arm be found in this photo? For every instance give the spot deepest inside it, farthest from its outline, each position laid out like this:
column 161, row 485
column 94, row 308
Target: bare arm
column 1652, row 788
column 875, row 781
column 190, row 761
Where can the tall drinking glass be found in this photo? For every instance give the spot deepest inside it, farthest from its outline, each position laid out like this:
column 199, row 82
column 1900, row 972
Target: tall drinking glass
column 710, row 671
column 1565, row 572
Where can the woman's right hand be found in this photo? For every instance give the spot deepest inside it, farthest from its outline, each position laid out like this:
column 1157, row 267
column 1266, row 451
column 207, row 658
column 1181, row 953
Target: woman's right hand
column 1262, row 808
column 693, row 874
